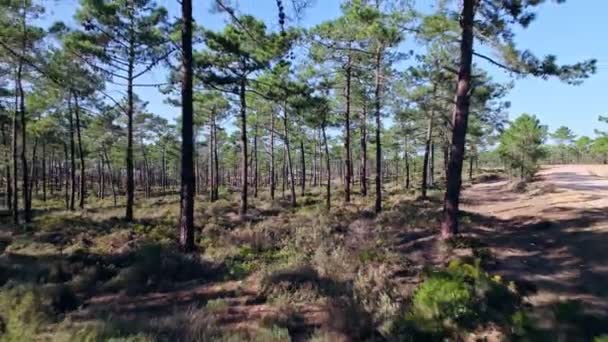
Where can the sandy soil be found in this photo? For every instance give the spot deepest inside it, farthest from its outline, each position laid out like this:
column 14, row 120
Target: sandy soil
column 552, row 236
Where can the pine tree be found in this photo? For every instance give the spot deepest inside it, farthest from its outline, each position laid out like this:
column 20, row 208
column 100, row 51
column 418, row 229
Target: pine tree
column 124, row 40
column 232, row 59
column 495, row 19
column 521, row 145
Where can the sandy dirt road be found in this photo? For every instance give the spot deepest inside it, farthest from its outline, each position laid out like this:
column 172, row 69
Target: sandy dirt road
column 552, row 236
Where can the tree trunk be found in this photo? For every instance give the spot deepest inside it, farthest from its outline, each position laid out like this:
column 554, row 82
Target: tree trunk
column 27, row 215
column 81, row 155
column 35, row 170
column 112, row 182
column 72, row 156
column 65, row 174
column 284, row 172
column 406, row 158
column 15, row 164
column 292, row 185
column 44, row 170
column 449, row 226
column 102, row 178
column 426, row 158
column 34, row 175
column 186, row 219
column 216, row 163
column 432, row 165
column 347, row 181
column 303, row 160
column 146, row 171
column 244, row 172
column 211, row 178
column 272, row 161
column 328, row 165
column 315, row 164
column 7, row 169
column 378, row 203
column 54, row 175
column 129, row 159
column 363, row 171
column 255, row 160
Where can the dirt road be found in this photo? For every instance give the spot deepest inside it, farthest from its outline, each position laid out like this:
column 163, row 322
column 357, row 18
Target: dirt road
column 552, row 236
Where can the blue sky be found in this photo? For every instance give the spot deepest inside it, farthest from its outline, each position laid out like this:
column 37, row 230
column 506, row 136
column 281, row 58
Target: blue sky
column 572, row 31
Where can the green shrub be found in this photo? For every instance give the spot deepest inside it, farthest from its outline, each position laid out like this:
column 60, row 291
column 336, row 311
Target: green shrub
column 445, row 296
column 464, row 296
column 248, row 260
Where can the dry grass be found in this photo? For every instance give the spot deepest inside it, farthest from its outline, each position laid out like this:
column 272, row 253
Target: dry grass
column 279, row 274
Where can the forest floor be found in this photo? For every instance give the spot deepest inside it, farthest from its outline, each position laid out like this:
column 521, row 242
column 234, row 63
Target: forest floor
column 531, row 267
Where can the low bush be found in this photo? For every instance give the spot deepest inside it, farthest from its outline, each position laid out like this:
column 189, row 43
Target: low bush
column 460, row 297
column 247, row 260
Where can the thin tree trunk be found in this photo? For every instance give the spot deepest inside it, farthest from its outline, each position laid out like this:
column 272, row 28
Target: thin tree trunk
column 363, row 171
column 34, row 175
column 272, row 161
column 315, row 164
column 426, row 158
column 406, row 158
column 15, row 164
column 80, row 154
column 72, row 156
column 216, row 163
column 347, row 181
column 377, row 91
column 244, row 173
column 129, row 159
column 255, row 160
column 328, row 165
column 284, row 172
column 211, row 178
column 449, row 226
column 303, row 160
column 102, row 178
column 112, row 181
column 432, row 165
column 65, row 174
column 26, row 193
column 186, row 224
column 53, row 176
column 146, row 171
column 44, row 170
column 288, row 151
column 7, row 169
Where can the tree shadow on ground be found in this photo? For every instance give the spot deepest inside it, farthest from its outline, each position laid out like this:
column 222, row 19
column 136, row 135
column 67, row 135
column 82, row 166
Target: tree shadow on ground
column 559, row 260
